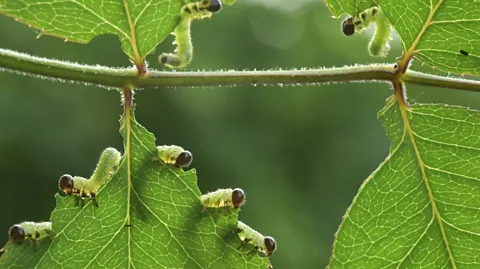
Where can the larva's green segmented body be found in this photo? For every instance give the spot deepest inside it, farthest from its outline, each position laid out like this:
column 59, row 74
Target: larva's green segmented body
column 360, row 22
column 264, row 244
column 86, row 188
column 379, row 45
column 30, row 231
column 175, row 155
column 233, row 198
column 107, row 166
column 184, row 52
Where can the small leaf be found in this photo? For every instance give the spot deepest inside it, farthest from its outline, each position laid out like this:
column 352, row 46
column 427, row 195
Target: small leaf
column 352, row 7
column 420, row 208
column 435, row 31
column 149, row 216
column 140, row 25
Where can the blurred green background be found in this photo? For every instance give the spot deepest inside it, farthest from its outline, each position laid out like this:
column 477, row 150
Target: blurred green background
column 300, row 153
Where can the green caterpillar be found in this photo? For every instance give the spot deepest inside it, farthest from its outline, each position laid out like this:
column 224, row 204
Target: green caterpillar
column 360, row 22
column 223, row 197
column 175, row 155
column 84, row 188
column 264, row 244
column 30, row 231
column 184, row 52
column 379, row 45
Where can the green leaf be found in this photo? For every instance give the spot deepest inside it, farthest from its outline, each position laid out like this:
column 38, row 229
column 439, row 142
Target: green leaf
column 352, row 7
column 435, row 31
column 420, row 208
column 161, row 205
column 140, row 25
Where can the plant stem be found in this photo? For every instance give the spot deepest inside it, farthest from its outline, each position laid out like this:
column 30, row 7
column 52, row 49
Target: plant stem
column 120, row 78
column 423, row 79
column 25, row 64
column 127, row 97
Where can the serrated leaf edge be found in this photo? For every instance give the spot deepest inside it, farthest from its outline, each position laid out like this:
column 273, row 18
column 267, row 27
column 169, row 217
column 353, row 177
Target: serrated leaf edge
column 404, row 109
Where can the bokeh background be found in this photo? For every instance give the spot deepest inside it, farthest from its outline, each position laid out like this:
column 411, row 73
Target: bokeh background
column 300, row 153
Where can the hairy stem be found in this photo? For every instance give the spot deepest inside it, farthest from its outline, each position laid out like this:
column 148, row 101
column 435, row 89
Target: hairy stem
column 128, row 78
column 423, row 79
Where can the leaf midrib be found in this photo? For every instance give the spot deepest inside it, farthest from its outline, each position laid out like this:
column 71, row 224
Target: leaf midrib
column 127, row 123
column 412, row 50
column 133, row 37
column 408, row 128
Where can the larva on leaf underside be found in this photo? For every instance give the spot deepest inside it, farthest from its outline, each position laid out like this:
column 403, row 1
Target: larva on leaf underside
column 379, row 45
column 183, row 54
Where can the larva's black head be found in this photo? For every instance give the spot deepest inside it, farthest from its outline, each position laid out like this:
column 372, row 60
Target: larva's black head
column 17, row 233
column 238, row 197
column 215, row 6
column 270, row 245
column 184, row 159
column 348, row 26
column 66, row 184
column 163, row 59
